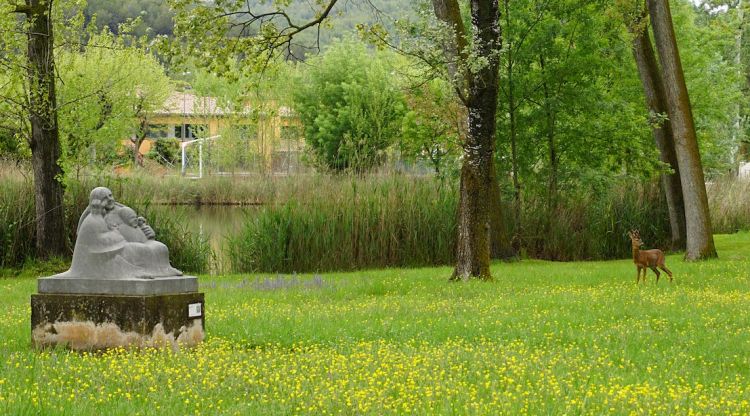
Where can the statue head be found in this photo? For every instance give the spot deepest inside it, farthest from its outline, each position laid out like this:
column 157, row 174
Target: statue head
column 97, row 207
column 128, row 216
column 104, row 196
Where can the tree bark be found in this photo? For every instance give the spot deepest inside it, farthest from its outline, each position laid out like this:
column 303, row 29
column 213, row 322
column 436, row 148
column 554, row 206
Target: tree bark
column 478, row 90
column 517, row 226
column 554, row 160
column 700, row 242
column 473, row 244
column 653, row 88
column 137, row 140
column 45, row 141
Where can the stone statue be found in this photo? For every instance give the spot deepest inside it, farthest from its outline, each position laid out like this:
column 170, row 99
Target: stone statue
column 115, row 243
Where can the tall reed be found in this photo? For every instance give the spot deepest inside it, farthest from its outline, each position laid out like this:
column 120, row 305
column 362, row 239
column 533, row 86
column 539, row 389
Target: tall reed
column 729, row 203
column 316, row 222
column 17, row 222
column 350, row 223
column 587, row 226
column 188, row 251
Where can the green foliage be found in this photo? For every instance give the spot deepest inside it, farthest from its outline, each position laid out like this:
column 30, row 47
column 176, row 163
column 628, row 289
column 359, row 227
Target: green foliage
column 106, row 84
column 715, row 81
column 165, row 152
column 105, row 90
column 432, row 128
column 14, row 122
column 155, row 15
column 11, row 147
column 350, row 106
column 575, row 91
column 223, row 33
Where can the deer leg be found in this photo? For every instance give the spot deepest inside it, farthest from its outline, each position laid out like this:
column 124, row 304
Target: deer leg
column 638, row 274
column 643, row 276
column 669, row 272
column 657, row 273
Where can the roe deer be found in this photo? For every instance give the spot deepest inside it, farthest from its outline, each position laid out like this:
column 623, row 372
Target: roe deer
column 646, row 259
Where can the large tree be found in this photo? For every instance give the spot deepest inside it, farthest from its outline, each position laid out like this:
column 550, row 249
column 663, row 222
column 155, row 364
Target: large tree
column 661, row 127
column 474, row 68
column 700, row 243
column 108, row 88
column 261, row 32
column 44, row 138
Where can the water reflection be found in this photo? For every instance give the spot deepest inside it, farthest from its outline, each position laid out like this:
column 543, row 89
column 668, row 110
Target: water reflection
column 215, row 222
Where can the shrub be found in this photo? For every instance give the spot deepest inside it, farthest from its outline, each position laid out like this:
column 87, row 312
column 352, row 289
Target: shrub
column 165, row 151
column 350, row 107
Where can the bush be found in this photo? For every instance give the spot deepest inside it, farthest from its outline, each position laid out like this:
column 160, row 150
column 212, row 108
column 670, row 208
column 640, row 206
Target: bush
column 165, row 151
column 350, row 107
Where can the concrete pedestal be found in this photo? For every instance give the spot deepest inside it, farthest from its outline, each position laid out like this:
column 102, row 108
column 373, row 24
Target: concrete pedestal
column 138, row 316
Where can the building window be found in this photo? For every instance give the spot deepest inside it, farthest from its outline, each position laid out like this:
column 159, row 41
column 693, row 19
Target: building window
column 180, row 131
column 157, row 131
column 191, row 131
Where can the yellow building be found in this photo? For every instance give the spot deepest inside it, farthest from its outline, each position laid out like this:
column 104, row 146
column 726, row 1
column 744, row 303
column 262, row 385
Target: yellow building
column 272, row 132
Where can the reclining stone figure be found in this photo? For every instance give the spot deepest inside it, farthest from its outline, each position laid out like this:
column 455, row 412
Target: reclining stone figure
column 115, row 243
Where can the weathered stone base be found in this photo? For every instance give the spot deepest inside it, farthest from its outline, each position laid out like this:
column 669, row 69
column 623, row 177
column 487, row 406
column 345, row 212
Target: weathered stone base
column 90, row 322
column 103, row 286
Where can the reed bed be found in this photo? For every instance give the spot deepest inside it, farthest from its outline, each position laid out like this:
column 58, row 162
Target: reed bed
column 188, row 251
column 399, row 221
column 311, row 223
column 594, row 226
column 729, row 203
column 351, row 223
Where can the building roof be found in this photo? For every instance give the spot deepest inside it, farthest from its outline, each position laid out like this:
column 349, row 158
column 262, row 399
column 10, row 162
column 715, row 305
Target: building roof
column 186, row 104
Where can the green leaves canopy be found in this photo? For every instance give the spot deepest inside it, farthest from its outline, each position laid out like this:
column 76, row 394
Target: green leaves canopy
column 350, row 108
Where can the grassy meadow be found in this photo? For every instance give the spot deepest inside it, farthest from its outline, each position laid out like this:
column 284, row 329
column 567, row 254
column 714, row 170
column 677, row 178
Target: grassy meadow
column 542, row 338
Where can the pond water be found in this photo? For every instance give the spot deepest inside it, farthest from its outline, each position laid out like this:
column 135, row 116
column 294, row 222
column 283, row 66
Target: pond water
column 215, row 222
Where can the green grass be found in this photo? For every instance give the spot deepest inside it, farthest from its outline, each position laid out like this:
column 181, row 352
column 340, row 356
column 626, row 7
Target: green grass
column 542, row 338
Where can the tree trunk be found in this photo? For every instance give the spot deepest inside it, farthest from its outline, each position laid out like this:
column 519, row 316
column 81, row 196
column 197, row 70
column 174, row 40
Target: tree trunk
column 478, row 90
column 554, row 160
column 137, row 140
column 517, row 226
column 473, row 245
column 45, row 141
column 700, row 242
column 653, row 88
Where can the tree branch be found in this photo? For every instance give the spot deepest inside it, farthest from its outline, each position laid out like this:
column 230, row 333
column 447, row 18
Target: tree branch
column 448, row 12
